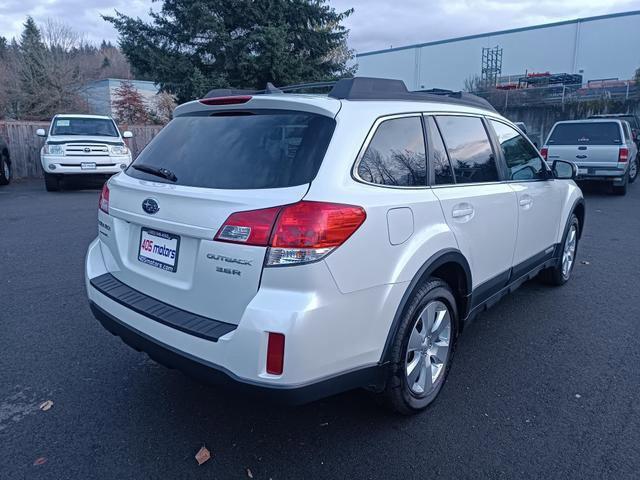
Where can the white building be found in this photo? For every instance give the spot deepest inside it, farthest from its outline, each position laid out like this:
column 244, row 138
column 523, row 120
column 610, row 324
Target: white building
column 606, row 46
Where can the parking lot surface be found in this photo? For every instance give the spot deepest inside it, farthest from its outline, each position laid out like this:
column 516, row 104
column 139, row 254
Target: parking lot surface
column 544, row 385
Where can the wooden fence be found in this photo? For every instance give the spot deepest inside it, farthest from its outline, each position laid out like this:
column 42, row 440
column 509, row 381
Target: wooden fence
column 25, row 145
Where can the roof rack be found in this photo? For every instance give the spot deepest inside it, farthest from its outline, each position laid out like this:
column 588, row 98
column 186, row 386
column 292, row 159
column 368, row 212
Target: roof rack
column 367, row 88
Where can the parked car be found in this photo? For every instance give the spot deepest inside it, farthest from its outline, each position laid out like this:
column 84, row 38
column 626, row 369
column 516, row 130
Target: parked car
column 88, row 145
column 5, row 163
column 603, row 149
column 633, row 120
column 303, row 245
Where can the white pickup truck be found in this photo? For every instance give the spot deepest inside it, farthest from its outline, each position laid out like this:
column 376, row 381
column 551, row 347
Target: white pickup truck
column 82, row 145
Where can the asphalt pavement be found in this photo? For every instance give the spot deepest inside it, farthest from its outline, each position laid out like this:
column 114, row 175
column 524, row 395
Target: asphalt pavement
column 544, row 385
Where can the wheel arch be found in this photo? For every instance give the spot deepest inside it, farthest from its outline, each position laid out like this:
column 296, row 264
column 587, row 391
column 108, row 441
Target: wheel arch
column 451, row 266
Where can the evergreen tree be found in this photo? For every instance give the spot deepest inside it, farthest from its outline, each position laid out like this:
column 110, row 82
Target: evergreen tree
column 4, row 48
column 237, row 43
column 33, row 82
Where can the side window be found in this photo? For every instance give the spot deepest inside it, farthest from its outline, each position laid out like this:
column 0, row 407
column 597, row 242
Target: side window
column 627, row 134
column 469, row 149
column 442, row 172
column 396, row 154
column 523, row 161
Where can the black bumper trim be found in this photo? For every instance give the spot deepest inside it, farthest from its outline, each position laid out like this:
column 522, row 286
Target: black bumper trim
column 187, row 322
column 372, row 376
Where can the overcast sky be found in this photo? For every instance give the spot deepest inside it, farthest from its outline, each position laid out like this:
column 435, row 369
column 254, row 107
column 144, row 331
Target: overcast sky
column 375, row 24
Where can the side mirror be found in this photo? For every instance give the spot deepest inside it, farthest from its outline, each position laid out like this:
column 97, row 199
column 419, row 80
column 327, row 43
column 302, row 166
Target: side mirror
column 41, row 133
column 564, row 170
column 127, row 134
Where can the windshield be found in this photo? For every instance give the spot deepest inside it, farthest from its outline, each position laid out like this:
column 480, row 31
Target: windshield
column 94, row 127
column 237, row 150
column 591, row 133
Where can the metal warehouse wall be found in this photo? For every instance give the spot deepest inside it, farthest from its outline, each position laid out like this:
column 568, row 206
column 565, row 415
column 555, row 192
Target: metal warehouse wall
column 602, row 47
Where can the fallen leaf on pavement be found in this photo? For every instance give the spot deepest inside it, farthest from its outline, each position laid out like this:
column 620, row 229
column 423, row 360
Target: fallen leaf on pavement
column 203, row 455
column 40, row 461
column 249, row 474
column 584, row 262
column 44, row 406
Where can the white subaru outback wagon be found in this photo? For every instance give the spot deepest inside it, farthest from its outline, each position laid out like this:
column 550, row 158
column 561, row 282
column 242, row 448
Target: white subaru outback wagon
column 302, row 245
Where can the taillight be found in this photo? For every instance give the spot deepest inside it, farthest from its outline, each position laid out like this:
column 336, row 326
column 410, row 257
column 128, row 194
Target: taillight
column 544, row 151
column 103, row 202
column 299, row 233
column 275, row 353
column 251, row 227
column 623, row 154
column 233, row 100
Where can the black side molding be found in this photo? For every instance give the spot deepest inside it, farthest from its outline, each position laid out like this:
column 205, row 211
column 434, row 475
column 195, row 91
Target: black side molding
column 187, row 322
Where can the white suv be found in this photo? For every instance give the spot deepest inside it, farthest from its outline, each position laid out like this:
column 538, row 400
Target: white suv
column 82, row 145
column 302, row 245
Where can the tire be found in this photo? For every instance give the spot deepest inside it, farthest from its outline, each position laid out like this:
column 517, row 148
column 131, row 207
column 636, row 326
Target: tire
column 620, row 190
column 51, row 182
column 633, row 172
column 5, row 170
column 426, row 351
column 561, row 273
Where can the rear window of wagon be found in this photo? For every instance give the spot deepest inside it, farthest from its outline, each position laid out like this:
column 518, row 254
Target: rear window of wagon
column 239, row 150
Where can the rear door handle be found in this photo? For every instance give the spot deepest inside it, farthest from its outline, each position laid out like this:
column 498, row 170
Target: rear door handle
column 526, row 201
column 462, row 210
column 581, row 156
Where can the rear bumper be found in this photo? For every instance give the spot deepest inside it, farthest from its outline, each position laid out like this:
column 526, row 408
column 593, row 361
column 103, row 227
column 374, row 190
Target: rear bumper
column 215, row 374
column 601, row 173
column 333, row 342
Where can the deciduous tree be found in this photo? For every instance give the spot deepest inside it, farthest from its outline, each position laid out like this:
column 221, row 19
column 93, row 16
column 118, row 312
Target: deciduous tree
column 129, row 106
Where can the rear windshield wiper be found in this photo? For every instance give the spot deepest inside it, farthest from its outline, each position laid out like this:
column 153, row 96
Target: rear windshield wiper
column 158, row 172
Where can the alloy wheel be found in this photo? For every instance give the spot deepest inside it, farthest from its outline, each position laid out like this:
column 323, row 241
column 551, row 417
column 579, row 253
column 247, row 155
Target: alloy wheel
column 428, row 348
column 569, row 251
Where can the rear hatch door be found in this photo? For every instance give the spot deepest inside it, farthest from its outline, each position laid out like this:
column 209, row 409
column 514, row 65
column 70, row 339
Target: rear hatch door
column 162, row 240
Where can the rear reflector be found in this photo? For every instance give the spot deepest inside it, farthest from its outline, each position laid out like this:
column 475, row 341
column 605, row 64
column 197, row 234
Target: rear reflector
column 234, row 100
column 275, row 353
column 623, row 155
column 302, row 232
column 103, row 202
column 544, row 151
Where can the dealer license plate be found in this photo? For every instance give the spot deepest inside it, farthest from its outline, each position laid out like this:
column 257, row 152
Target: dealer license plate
column 159, row 249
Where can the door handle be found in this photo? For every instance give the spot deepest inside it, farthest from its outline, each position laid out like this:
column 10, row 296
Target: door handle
column 581, row 156
column 526, row 201
column 463, row 210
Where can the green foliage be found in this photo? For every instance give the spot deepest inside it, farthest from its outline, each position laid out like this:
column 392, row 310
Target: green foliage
column 191, row 46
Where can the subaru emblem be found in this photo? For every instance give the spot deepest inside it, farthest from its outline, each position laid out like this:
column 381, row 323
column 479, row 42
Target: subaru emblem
column 150, row 206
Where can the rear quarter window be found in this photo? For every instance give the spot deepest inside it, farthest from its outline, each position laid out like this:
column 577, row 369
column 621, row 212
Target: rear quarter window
column 239, row 150
column 591, row 133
